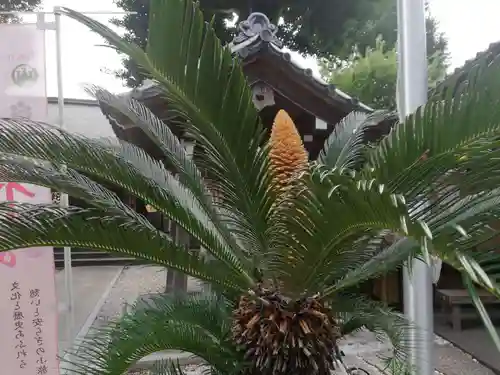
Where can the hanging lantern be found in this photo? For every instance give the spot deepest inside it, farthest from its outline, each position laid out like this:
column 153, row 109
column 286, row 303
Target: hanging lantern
column 262, row 96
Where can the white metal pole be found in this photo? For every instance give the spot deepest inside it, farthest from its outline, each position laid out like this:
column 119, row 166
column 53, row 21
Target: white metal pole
column 412, row 93
column 68, row 270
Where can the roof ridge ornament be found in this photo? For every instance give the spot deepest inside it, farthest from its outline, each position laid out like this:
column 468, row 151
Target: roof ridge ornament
column 255, row 29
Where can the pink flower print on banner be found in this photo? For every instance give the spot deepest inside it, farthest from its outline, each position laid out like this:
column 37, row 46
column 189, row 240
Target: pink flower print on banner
column 8, row 258
column 11, row 187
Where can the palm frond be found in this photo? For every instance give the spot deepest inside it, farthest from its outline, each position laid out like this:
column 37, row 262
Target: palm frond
column 328, row 218
column 16, row 169
column 123, row 165
column 439, row 133
column 476, row 299
column 381, row 261
column 167, row 367
column 160, row 134
column 479, row 267
column 358, row 313
column 324, row 240
column 224, row 124
column 345, row 146
column 184, row 167
column 465, row 227
column 455, row 227
column 454, row 83
column 24, row 225
column 443, row 160
column 195, row 324
column 469, row 243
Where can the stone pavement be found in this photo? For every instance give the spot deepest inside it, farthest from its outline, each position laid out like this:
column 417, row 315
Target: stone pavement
column 90, row 286
column 363, row 350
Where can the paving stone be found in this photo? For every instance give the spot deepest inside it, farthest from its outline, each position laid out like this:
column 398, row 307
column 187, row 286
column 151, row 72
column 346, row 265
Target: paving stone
column 89, row 285
column 359, row 362
column 453, row 361
column 450, row 360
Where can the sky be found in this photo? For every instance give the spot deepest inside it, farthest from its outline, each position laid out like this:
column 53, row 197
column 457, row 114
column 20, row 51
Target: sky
column 470, row 27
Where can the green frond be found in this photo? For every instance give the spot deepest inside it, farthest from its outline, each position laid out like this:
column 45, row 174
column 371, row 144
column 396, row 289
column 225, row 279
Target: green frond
column 346, row 145
column 195, row 324
column 465, row 227
column 454, row 83
column 357, row 313
column 465, row 170
column 16, row 169
column 454, row 226
column 441, row 132
column 328, row 218
column 380, row 262
column 475, row 255
column 205, row 86
column 335, row 149
column 159, row 133
column 476, row 299
column 24, row 225
column 184, row 167
column 123, row 165
column 443, row 161
column 167, row 367
column 432, row 184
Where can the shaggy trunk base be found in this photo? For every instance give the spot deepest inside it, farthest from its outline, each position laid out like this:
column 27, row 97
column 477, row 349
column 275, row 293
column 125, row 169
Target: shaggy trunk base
column 283, row 336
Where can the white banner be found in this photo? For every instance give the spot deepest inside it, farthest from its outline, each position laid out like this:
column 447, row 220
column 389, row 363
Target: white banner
column 28, row 307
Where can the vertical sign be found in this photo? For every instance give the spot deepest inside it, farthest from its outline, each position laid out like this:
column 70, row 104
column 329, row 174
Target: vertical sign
column 28, row 308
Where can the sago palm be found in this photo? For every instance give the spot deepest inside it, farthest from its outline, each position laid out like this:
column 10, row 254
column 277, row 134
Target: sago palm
column 289, row 241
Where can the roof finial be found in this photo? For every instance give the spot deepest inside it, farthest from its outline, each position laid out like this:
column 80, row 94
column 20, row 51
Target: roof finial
column 255, row 29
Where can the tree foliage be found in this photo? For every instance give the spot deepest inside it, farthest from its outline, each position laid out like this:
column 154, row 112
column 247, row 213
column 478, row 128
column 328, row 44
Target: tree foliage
column 372, row 76
column 16, row 6
column 321, row 28
column 386, row 27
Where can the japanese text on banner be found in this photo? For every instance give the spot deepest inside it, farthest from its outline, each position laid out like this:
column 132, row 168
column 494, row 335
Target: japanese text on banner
column 28, row 307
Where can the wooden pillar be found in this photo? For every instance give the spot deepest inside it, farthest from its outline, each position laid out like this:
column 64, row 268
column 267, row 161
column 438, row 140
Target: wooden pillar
column 130, row 201
column 177, row 281
column 387, row 288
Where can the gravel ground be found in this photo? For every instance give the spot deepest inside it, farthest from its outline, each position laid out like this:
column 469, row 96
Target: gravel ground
column 133, row 282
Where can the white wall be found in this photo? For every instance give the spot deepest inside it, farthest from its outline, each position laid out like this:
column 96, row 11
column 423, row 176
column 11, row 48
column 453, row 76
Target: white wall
column 82, row 117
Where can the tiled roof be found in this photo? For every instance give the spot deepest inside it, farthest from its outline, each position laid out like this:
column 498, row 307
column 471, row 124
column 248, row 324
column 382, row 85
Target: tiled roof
column 460, row 74
column 257, row 34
